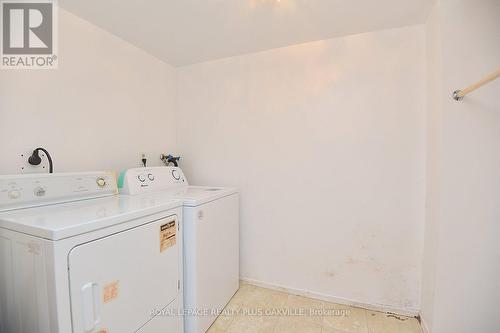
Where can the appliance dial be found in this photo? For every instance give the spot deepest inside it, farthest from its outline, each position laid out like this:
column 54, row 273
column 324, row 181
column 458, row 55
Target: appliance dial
column 14, row 194
column 141, row 178
column 101, row 182
column 176, row 175
column 151, row 177
column 39, row 191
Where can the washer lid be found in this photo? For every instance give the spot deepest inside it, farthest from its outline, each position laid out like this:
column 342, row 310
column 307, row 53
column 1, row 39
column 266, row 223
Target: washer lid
column 64, row 220
column 198, row 195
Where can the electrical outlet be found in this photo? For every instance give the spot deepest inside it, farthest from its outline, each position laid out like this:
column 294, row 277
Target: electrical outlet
column 25, row 167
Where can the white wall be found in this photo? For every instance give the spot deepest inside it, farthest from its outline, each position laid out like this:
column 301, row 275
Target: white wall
column 108, row 102
column 434, row 99
column 462, row 262
column 326, row 142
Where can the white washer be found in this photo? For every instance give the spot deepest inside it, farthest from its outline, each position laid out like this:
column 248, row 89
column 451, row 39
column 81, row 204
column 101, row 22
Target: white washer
column 104, row 264
column 211, row 241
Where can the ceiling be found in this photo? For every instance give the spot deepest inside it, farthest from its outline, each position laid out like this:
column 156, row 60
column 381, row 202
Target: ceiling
column 183, row 32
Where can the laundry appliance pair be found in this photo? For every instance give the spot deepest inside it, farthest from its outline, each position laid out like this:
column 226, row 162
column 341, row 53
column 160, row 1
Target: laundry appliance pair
column 75, row 256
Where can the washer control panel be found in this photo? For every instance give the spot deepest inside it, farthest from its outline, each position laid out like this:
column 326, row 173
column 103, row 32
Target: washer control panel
column 143, row 180
column 29, row 190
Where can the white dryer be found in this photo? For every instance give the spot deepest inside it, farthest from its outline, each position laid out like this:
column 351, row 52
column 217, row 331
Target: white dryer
column 211, row 241
column 76, row 257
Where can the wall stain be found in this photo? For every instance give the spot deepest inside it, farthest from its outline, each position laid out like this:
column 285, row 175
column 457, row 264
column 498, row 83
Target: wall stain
column 330, row 274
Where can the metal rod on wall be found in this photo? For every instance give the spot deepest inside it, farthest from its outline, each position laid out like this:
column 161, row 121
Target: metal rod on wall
column 458, row 95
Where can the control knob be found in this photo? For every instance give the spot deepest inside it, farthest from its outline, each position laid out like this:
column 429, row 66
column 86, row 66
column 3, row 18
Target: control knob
column 39, row 191
column 101, row 182
column 176, row 175
column 14, row 194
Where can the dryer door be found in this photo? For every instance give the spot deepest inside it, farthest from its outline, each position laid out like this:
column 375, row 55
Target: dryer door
column 118, row 283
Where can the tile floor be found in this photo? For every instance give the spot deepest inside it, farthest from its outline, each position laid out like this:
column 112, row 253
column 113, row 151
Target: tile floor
column 259, row 310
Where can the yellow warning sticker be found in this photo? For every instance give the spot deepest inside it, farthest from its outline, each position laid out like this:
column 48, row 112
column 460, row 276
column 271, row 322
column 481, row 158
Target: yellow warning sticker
column 111, row 291
column 168, row 233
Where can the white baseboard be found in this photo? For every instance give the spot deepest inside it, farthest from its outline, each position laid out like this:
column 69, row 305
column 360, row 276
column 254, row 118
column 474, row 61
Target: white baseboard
column 333, row 299
column 425, row 328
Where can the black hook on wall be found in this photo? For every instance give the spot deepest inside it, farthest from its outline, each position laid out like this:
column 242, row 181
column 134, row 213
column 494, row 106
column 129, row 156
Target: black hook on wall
column 35, row 158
